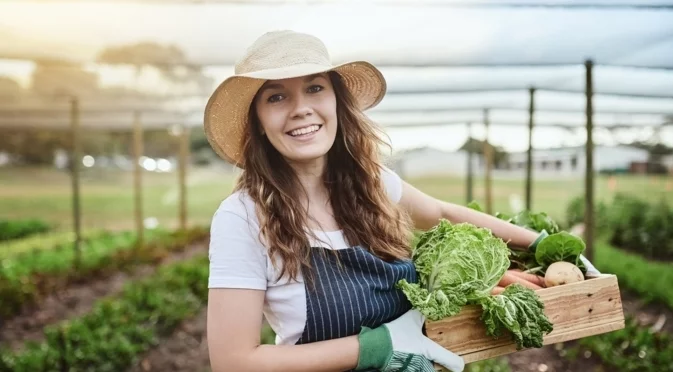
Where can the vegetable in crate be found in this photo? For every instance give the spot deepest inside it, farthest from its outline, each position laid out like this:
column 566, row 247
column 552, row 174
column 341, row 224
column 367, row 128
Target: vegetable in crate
column 554, row 245
column 460, row 265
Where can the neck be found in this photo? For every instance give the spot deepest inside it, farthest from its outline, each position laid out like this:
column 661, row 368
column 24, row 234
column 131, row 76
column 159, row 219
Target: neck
column 310, row 176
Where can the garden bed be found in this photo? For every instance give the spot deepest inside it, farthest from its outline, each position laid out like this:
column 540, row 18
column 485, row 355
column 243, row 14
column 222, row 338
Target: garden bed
column 78, row 299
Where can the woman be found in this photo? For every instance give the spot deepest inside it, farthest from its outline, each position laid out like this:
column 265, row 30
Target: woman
column 316, row 233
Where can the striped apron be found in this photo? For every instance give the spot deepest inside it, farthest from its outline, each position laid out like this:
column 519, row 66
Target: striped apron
column 357, row 291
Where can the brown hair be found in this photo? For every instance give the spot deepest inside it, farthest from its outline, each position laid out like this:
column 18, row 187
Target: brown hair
column 361, row 206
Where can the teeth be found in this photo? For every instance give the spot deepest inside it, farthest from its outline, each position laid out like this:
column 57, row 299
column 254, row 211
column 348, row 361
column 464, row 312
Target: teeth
column 307, row 130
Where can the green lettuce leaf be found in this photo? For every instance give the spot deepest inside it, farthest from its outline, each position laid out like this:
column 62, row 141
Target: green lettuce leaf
column 435, row 305
column 519, row 311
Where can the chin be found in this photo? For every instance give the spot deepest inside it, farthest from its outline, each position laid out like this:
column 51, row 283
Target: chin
column 307, row 155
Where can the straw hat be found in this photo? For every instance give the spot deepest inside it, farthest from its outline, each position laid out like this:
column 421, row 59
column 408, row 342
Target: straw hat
column 278, row 55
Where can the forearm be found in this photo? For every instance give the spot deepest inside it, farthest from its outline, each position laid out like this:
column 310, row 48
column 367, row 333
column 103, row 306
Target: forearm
column 326, row 356
column 515, row 236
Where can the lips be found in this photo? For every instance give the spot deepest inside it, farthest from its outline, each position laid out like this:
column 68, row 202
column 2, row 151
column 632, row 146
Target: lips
column 305, row 130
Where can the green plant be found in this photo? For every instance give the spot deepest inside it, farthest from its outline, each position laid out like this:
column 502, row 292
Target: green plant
column 25, row 277
column 642, row 227
column 16, row 229
column 112, row 335
column 44, row 242
column 459, row 265
column 489, row 365
column 575, row 213
column 268, row 336
column 652, row 281
column 633, row 348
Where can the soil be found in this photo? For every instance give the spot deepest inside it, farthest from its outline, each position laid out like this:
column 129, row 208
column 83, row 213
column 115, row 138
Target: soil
column 78, row 299
column 186, row 350
column 551, row 358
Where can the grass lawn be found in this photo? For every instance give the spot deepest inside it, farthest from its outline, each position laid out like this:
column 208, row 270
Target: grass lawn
column 107, row 196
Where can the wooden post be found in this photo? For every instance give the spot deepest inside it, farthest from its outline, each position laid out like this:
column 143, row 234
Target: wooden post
column 137, row 177
column 488, row 159
column 470, row 169
column 75, row 164
column 182, row 174
column 589, row 176
column 529, row 154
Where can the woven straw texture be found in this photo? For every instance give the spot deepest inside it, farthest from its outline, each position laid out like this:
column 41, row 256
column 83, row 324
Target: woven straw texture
column 278, row 55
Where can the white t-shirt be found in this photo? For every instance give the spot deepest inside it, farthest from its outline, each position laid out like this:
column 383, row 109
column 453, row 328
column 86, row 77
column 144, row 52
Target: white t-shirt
column 238, row 259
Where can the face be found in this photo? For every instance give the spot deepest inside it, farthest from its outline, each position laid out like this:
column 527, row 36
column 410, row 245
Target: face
column 298, row 116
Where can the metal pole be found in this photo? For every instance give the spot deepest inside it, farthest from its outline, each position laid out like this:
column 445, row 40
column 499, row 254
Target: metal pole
column 488, row 157
column 589, row 179
column 75, row 160
column 529, row 155
column 182, row 175
column 470, row 169
column 137, row 177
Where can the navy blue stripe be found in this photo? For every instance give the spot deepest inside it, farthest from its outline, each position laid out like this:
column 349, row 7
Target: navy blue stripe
column 360, row 292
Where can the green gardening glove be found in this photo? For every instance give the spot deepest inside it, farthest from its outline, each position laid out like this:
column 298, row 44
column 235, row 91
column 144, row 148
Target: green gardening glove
column 400, row 346
column 543, row 234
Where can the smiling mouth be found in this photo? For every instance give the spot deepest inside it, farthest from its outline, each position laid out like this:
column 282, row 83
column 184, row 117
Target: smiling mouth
column 305, row 131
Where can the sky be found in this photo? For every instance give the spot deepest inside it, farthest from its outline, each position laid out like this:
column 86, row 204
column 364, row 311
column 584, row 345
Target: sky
column 413, row 36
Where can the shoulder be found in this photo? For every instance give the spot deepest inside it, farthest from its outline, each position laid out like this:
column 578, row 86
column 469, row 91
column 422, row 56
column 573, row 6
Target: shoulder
column 235, row 220
column 239, row 204
column 238, row 259
column 392, row 183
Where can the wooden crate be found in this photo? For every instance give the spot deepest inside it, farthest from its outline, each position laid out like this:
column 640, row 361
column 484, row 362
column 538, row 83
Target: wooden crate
column 576, row 310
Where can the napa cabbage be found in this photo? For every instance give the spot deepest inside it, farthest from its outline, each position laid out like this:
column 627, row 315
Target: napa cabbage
column 459, row 265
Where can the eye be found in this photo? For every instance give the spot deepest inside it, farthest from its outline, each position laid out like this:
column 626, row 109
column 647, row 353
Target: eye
column 274, row 98
column 315, row 88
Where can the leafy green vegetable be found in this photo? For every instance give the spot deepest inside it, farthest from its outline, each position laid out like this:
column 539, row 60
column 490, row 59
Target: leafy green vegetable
column 475, row 205
column 459, row 265
column 530, row 220
column 536, row 221
column 559, row 247
column 518, row 310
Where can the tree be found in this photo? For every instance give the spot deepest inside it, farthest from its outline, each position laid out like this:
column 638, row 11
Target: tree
column 59, row 78
column 170, row 60
column 476, row 146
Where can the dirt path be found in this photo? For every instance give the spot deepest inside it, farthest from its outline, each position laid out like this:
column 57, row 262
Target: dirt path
column 186, row 350
column 78, row 299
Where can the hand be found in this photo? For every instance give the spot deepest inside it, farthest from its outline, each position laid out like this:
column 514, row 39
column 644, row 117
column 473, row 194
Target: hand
column 401, row 346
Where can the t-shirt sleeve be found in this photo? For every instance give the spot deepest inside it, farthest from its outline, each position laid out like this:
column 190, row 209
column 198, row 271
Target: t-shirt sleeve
column 237, row 257
column 393, row 184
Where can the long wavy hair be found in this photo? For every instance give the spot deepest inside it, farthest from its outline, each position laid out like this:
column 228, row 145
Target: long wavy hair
column 352, row 176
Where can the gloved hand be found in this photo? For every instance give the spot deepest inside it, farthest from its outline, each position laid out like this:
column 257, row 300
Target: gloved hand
column 401, row 346
column 591, row 270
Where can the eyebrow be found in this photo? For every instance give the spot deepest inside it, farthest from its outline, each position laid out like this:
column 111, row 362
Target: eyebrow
column 307, row 79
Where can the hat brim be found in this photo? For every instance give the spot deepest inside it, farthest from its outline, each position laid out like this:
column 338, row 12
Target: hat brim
column 226, row 113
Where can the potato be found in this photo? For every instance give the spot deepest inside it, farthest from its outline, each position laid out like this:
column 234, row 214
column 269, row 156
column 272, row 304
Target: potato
column 562, row 272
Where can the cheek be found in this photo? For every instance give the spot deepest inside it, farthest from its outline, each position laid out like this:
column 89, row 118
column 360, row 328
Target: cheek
column 329, row 111
column 272, row 122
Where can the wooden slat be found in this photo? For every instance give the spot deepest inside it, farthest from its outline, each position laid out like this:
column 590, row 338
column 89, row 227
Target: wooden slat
column 576, row 310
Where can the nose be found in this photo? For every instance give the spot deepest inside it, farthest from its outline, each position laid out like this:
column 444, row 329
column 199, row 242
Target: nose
column 302, row 107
